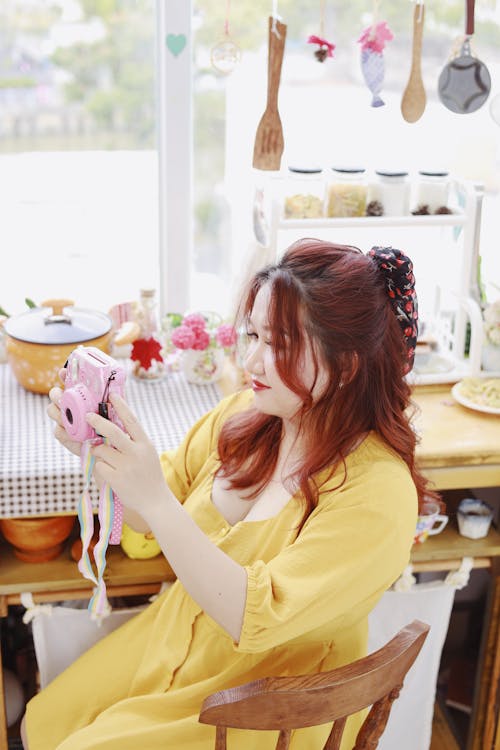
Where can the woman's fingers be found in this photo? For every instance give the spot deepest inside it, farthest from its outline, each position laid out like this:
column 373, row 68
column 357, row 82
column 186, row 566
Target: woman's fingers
column 55, row 394
column 54, row 413
column 107, row 429
column 130, row 422
column 106, row 453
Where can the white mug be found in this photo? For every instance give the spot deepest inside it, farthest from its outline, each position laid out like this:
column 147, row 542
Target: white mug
column 428, row 517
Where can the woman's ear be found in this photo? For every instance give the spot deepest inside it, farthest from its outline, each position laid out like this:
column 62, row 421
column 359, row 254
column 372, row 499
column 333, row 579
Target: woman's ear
column 351, row 367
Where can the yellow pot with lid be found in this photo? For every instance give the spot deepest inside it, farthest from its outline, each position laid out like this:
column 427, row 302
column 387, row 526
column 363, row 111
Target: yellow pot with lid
column 38, row 342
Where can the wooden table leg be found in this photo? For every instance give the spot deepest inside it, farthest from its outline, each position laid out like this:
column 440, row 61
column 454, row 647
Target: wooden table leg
column 484, row 719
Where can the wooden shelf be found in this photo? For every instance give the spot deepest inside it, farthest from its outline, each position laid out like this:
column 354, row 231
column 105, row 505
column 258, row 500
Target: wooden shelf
column 61, row 576
column 450, row 545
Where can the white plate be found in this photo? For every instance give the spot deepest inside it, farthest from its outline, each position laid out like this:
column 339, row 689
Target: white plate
column 455, row 392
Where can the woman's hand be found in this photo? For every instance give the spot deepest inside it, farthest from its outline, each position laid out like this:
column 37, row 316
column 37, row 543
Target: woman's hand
column 129, row 461
column 54, row 413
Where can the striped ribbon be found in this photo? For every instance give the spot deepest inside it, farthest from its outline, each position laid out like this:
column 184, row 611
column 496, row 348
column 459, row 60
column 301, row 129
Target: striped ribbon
column 110, row 516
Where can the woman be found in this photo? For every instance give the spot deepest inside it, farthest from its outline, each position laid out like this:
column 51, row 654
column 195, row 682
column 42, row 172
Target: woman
column 286, row 512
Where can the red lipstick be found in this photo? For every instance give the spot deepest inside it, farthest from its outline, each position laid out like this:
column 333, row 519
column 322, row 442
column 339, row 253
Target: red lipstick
column 258, row 386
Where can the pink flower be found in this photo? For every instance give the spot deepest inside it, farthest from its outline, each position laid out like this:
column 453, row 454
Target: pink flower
column 195, row 321
column 225, row 335
column 183, row 337
column 201, row 341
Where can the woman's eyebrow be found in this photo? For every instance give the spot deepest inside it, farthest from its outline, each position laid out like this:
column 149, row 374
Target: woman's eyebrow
column 266, row 327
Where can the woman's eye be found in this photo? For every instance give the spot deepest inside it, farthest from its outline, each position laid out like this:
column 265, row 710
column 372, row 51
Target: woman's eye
column 251, row 335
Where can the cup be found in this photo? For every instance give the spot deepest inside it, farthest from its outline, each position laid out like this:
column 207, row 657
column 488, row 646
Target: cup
column 428, row 517
column 474, row 518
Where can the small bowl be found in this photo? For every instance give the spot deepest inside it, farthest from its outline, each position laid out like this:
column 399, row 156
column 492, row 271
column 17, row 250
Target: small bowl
column 474, row 518
column 37, row 539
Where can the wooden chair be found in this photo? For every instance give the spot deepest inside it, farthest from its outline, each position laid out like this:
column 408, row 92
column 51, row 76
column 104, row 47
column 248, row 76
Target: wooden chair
column 286, row 703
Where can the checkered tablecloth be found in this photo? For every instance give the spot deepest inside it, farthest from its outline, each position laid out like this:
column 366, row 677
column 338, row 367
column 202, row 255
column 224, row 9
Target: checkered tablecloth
column 38, row 477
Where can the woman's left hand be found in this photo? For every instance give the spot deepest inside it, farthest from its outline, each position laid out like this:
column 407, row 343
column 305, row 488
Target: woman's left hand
column 128, row 462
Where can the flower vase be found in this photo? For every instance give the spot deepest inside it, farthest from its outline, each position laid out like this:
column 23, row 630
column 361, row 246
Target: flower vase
column 202, row 367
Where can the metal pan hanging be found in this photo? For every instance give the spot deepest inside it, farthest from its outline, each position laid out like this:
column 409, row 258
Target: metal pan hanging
column 465, row 82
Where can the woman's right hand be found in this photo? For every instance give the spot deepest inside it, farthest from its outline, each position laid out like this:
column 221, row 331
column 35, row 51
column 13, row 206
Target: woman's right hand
column 54, row 413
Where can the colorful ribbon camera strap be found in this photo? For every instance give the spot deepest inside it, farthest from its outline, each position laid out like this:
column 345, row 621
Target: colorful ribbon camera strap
column 110, row 516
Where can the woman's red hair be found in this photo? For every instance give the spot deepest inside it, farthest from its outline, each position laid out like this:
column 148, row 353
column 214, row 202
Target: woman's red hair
column 335, row 296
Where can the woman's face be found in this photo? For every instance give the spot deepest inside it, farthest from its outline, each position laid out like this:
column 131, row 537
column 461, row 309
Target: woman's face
column 272, row 396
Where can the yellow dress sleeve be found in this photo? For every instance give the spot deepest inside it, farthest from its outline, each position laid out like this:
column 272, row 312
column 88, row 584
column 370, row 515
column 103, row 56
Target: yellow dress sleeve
column 181, row 466
column 352, row 548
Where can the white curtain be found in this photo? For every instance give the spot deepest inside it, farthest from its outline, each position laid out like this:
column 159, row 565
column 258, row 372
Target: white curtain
column 410, row 721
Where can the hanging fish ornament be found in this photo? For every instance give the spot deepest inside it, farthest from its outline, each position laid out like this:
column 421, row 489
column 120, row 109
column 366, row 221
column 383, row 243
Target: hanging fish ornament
column 373, row 41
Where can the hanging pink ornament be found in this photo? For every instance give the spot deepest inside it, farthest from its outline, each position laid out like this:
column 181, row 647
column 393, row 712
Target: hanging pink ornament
column 325, row 48
column 373, row 41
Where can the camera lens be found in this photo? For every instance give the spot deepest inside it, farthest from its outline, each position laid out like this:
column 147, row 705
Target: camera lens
column 69, row 416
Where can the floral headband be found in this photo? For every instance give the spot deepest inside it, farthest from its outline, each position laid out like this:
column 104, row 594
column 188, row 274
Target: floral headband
column 397, row 269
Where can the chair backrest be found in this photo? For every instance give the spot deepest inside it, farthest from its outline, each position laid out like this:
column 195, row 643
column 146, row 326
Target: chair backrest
column 286, row 703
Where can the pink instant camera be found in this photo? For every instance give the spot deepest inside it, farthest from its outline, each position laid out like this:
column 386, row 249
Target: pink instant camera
column 90, row 379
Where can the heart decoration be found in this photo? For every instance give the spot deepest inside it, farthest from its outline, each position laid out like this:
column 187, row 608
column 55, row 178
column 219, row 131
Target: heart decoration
column 176, row 43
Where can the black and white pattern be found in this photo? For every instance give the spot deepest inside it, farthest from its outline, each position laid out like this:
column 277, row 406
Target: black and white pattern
column 38, row 477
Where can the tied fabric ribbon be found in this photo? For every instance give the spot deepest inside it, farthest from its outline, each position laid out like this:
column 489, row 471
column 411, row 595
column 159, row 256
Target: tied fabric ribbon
column 110, row 515
column 397, row 270
column 322, row 43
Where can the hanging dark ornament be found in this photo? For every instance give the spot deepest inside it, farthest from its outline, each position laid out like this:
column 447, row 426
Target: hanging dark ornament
column 321, row 54
column 324, row 50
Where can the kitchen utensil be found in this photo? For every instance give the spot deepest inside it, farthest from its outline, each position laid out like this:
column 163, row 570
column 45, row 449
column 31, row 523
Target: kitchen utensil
column 414, row 98
column 269, row 143
column 39, row 342
column 464, row 83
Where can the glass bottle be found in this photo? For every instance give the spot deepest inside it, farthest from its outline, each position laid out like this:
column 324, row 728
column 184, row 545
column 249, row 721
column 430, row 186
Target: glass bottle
column 346, row 195
column 304, row 193
column 147, row 313
column 146, row 353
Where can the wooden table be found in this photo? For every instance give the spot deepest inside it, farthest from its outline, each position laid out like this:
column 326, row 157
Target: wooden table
column 458, row 449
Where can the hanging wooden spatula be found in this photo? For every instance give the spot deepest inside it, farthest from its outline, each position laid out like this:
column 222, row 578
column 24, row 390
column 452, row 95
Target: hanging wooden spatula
column 414, row 98
column 269, row 141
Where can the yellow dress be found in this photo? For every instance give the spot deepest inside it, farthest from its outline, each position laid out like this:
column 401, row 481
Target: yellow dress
column 306, row 611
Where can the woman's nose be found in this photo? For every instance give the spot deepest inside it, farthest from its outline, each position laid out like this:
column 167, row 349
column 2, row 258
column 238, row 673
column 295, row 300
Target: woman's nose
column 253, row 359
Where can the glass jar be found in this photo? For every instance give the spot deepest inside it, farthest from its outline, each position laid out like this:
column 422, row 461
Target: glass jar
column 432, row 190
column 346, row 195
column 389, row 194
column 304, row 193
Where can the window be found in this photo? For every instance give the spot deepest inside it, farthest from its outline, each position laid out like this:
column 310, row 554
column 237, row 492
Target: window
column 327, row 118
column 84, row 137
column 78, row 160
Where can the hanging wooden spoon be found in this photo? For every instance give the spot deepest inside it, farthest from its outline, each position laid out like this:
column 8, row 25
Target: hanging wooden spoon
column 414, row 98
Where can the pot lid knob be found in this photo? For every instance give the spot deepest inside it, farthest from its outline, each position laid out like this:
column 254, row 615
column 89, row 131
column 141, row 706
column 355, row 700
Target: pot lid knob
column 57, row 306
